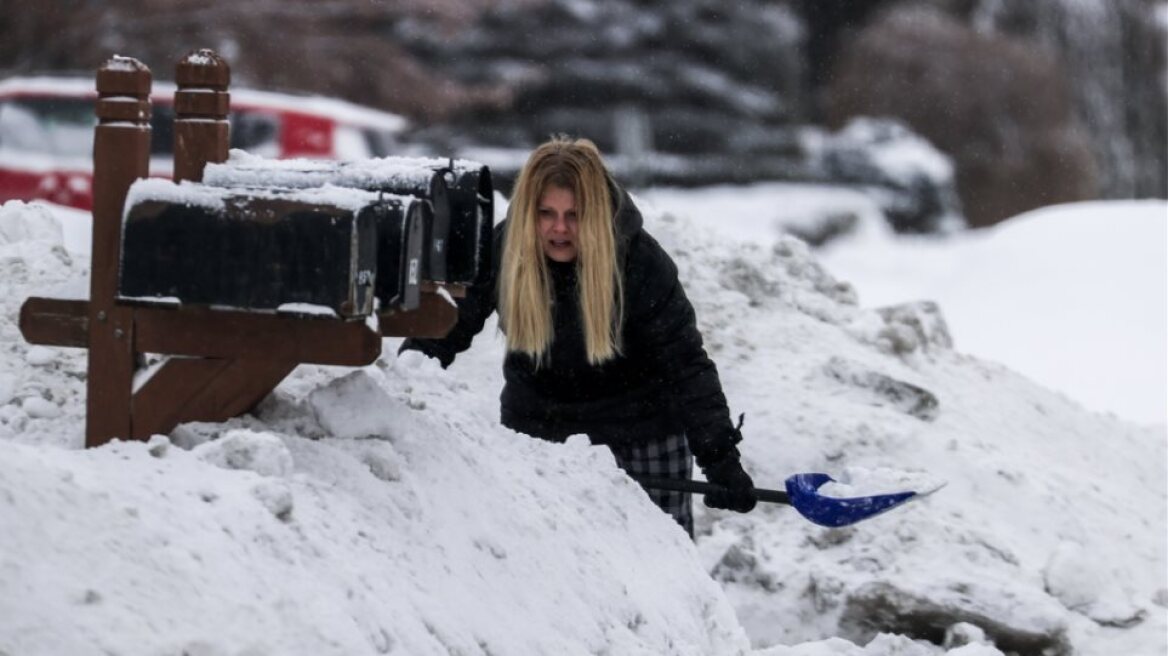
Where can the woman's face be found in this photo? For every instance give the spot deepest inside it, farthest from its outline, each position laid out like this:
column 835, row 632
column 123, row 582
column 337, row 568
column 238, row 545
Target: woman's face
column 559, row 227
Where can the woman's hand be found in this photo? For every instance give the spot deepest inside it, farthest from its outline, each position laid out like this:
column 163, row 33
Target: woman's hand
column 739, row 494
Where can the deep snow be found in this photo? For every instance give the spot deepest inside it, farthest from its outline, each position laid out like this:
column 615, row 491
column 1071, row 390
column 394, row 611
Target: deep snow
column 1088, row 282
column 383, row 510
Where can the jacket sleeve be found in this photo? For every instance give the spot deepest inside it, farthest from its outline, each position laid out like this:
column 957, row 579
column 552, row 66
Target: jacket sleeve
column 664, row 324
column 473, row 310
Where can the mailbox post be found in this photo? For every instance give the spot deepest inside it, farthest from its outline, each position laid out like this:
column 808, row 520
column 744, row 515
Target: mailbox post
column 121, row 153
column 230, row 360
column 201, row 106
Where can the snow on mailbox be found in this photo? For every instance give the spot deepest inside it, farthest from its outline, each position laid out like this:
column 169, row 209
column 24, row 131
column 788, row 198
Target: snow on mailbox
column 328, row 250
column 458, row 238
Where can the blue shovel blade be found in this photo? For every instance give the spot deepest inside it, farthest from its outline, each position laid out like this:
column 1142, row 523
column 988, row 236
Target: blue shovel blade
column 803, row 490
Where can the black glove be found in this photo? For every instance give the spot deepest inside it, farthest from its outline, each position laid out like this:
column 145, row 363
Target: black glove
column 428, row 348
column 739, row 494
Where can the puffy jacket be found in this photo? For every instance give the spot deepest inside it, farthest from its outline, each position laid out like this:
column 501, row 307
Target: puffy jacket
column 662, row 383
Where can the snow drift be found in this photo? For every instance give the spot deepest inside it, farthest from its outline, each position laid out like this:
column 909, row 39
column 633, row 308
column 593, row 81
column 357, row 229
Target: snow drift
column 383, row 510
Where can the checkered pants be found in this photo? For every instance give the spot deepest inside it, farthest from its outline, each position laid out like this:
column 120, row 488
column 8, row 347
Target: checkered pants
column 670, row 457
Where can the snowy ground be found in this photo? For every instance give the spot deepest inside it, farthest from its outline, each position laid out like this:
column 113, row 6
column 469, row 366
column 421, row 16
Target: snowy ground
column 1087, row 282
column 383, row 510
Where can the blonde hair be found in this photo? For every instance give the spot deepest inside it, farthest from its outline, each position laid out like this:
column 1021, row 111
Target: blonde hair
column 525, row 288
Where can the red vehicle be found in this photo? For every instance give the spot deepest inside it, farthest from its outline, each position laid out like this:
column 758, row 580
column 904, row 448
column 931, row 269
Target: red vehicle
column 46, row 133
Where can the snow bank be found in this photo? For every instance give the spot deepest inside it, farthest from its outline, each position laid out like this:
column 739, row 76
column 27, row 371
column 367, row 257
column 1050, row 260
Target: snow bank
column 383, row 510
column 1085, row 281
column 361, row 512
column 423, row 541
column 1032, row 475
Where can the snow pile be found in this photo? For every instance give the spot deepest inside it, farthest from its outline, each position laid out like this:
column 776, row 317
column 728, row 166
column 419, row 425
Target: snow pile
column 421, row 540
column 760, row 213
column 911, row 180
column 1085, row 282
column 379, row 510
column 895, row 150
column 36, row 384
column 1034, row 478
column 383, row 510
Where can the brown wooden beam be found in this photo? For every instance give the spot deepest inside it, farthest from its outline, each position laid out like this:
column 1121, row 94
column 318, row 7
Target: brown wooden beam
column 55, row 321
column 160, row 404
column 454, row 289
column 109, row 382
column 60, row 322
column 434, row 317
column 197, row 331
column 244, row 384
column 201, row 332
column 203, row 389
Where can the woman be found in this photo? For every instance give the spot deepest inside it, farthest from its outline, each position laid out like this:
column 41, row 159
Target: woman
column 601, row 339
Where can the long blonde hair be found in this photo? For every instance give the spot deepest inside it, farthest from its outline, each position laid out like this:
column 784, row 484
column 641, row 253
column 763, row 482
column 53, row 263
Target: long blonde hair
column 525, row 288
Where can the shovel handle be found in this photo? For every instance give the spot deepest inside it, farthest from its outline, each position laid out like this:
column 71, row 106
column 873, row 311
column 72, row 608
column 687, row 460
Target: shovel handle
column 702, row 487
column 802, row 494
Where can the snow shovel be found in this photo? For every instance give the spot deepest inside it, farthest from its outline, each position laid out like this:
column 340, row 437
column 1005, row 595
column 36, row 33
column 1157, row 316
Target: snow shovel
column 803, row 494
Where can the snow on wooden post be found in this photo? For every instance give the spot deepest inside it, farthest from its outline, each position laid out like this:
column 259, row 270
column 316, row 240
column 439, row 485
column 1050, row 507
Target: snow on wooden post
column 121, row 155
column 201, row 104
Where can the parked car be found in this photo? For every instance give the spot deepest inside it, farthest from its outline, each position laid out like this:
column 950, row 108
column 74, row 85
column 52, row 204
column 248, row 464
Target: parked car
column 46, row 133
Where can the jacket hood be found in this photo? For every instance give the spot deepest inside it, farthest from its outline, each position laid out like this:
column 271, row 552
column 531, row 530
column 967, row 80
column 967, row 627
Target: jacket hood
column 626, row 217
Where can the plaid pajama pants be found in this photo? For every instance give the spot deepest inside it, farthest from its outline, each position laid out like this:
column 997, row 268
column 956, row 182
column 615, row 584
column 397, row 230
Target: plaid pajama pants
column 670, row 457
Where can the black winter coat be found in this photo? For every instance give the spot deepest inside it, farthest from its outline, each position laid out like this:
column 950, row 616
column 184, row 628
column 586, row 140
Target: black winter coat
column 661, row 384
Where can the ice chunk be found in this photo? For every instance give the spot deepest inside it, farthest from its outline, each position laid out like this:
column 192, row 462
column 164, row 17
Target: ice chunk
column 263, row 453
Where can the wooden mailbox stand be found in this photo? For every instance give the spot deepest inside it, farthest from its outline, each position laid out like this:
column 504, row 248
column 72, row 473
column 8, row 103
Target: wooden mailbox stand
column 228, row 360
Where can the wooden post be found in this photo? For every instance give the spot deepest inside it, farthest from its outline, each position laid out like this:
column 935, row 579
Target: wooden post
column 206, row 389
column 121, row 154
column 201, row 104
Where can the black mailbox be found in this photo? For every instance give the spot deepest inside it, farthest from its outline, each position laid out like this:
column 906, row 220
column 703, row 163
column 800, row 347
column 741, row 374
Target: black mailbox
column 401, row 250
column 472, row 227
column 460, row 232
column 296, row 251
